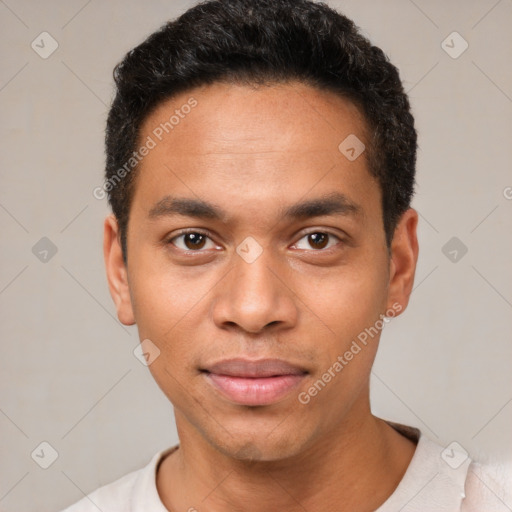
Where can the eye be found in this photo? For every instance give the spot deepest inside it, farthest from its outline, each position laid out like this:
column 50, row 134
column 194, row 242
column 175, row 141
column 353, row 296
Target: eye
column 192, row 241
column 318, row 240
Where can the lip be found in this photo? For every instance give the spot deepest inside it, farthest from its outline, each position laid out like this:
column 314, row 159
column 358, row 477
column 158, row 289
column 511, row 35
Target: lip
column 254, row 382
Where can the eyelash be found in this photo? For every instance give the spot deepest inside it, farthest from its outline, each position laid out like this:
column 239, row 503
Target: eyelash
column 208, row 235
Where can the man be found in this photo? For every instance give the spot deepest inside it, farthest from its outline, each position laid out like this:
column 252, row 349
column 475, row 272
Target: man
column 260, row 167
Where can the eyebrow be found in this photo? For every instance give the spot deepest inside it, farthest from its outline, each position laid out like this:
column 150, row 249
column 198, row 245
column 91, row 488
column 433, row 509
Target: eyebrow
column 331, row 204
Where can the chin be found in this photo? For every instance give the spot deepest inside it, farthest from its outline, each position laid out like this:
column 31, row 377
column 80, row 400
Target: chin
column 243, row 433
column 261, row 446
column 253, row 451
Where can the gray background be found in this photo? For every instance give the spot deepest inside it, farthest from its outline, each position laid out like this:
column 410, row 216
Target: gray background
column 68, row 373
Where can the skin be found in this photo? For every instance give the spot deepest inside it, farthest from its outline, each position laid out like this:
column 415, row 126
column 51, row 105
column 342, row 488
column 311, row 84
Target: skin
column 252, row 151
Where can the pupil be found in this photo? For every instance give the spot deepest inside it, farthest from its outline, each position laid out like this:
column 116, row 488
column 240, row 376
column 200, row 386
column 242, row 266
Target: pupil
column 318, row 239
column 195, row 238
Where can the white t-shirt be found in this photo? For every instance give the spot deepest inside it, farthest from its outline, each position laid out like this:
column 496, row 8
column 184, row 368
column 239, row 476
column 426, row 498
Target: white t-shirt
column 437, row 480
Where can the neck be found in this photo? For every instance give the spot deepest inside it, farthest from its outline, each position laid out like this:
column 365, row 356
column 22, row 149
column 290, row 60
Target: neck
column 355, row 468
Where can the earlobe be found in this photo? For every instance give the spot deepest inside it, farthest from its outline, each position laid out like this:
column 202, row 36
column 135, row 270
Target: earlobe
column 404, row 256
column 117, row 275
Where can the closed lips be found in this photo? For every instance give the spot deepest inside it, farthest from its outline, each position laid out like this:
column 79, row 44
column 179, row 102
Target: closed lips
column 254, row 383
column 245, row 368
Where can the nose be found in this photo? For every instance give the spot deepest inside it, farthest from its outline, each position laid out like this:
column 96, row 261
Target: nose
column 255, row 296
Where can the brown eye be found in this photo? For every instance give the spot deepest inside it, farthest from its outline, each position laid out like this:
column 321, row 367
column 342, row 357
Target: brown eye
column 191, row 241
column 318, row 240
column 194, row 240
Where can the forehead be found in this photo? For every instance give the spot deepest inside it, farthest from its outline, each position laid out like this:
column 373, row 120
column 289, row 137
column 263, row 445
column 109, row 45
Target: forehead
column 288, row 117
column 241, row 146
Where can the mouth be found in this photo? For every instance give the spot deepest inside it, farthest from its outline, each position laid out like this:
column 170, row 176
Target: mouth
column 257, row 382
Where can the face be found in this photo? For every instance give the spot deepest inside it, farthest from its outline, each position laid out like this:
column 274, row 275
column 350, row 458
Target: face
column 257, row 265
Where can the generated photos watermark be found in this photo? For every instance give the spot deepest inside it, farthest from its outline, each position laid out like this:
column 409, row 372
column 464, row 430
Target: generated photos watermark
column 150, row 143
column 355, row 348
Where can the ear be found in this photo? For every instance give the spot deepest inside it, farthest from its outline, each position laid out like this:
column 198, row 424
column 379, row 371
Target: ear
column 404, row 256
column 117, row 275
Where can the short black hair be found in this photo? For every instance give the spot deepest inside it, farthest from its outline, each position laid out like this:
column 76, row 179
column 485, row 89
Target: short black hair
column 264, row 42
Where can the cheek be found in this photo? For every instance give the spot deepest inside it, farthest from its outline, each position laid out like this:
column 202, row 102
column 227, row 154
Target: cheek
column 163, row 296
column 351, row 305
column 170, row 306
column 347, row 337
column 165, row 306
column 345, row 302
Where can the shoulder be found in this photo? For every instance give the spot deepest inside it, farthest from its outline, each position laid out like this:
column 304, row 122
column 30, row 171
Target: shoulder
column 112, row 497
column 488, row 487
column 446, row 479
column 129, row 492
